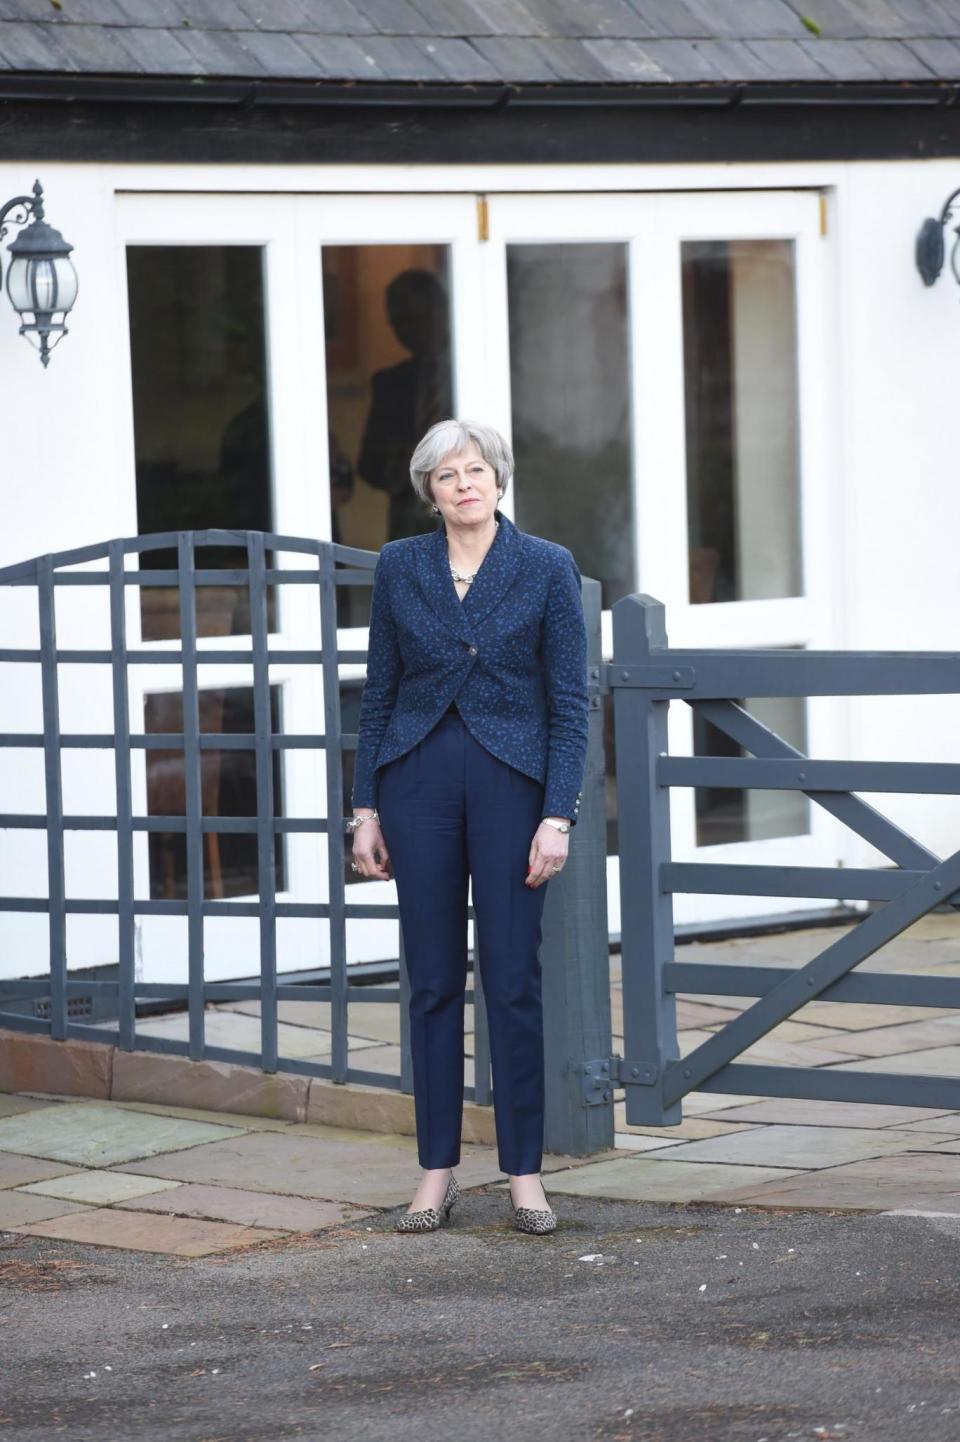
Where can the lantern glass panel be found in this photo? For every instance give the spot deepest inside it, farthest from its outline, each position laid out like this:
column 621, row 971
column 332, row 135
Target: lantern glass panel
column 42, row 284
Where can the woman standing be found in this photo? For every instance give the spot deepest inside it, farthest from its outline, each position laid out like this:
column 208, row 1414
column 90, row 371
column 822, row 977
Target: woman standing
column 471, row 748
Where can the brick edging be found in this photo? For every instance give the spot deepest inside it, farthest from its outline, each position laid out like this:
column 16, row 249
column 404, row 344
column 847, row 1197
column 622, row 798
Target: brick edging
column 33, row 1062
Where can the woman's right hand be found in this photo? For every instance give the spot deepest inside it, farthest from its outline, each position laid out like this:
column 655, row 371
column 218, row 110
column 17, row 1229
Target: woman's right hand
column 370, row 851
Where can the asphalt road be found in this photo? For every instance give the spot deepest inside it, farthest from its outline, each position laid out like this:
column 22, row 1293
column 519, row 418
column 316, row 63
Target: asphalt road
column 630, row 1323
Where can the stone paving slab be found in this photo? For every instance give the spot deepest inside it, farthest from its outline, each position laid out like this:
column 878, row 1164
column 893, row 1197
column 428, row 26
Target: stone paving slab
column 697, row 1103
column 695, row 1013
column 643, row 1179
column 937, row 1061
column 251, row 1209
column 238, row 1121
column 950, row 1144
column 242, row 1032
column 948, row 1122
column 99, row 1188
column 99, row 1134
column 13, row 1105
column 18, row 1209
column 798, row 1146
column 917, row 1036
column 16, row 1169
column 909, row 1179
column 377, row 1173
column 367, row 1020
column 690, row 1129
column 148, row 1232
column 835, row 1114
column 644, row 1142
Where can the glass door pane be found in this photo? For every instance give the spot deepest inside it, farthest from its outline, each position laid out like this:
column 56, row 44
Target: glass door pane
column 389, row 377
column 570, row 404
column 742, row 425
column 200, row 416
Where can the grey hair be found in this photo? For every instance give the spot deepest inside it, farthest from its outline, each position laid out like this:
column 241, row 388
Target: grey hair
column 451, row 436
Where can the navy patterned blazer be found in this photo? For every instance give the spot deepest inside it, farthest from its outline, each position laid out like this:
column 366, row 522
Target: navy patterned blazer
column 513, row 652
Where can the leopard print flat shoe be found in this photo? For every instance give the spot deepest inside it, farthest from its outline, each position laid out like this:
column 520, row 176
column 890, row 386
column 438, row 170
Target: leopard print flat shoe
column 532, row 1219
column 428, row 1219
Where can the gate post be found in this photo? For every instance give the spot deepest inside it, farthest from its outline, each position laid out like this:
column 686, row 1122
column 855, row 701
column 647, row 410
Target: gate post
column 576, row 949
column 646, row 911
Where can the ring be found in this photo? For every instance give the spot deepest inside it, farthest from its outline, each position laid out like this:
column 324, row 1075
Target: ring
column 558, row 868
column 354, row 866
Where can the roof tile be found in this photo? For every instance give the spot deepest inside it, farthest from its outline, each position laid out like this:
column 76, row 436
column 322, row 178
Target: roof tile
column 626, row 60
column 670, row 19
column 682, row 61
column 152, row 14
column 734, row 60
column 842, row 59
column 895, row 60
column 399, row 57
column 158, row 52
column 787, row 60
column 570, row 60
column 940, row 56
column 748, row 19
column 381, row 17
column 341, row 57
column 93, row 49
column 578, row 19
column 833, row 18
column 509, row 17
column 517, row 59
column 212, row 14
column 456, row 18
column 221, row 53
column 280, row 55
column 457, row 59
column 32, row 47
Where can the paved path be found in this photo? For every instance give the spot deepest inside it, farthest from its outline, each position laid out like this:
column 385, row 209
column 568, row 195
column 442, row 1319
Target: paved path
column 188, row 1183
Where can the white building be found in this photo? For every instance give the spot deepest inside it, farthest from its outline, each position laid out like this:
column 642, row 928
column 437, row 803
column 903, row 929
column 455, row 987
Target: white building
column 668, row 248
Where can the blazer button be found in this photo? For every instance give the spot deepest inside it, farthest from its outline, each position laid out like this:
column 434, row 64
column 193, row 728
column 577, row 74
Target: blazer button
column 472, row 650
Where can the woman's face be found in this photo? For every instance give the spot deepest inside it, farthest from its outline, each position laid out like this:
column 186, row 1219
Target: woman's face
column 464, row 486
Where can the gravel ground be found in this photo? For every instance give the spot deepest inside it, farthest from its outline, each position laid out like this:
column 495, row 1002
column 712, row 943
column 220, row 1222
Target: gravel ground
column 632, row 1322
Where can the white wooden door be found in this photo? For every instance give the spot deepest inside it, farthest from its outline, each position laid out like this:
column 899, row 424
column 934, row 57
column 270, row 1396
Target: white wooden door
column 662, row 358
column 307, row 343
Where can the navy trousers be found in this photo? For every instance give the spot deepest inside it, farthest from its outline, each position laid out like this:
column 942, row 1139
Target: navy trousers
column 451, row 812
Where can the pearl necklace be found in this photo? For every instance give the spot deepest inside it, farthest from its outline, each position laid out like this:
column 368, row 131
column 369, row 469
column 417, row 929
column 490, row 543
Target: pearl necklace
column 472, row 577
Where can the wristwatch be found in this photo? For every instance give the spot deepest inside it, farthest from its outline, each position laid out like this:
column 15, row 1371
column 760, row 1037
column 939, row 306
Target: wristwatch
column 352, row 822
column 557, row 825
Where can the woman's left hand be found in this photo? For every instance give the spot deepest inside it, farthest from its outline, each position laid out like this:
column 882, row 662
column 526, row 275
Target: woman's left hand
column 548, row 853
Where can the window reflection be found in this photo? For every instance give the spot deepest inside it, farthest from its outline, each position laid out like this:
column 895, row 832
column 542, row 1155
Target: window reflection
column 389, row 378
column 740, row 369
column 570, row 390
column 201, row 422
column 228, row 786
column 725, row 814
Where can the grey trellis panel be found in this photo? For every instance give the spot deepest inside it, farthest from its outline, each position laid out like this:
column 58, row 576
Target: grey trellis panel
column 327, row 566
column 645, row 674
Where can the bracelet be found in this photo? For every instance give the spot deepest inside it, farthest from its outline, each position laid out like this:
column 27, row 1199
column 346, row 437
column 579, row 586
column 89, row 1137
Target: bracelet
column 557, row 825
column 352, row 822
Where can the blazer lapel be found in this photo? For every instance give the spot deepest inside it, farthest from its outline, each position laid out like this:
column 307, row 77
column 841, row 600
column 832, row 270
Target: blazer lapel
column 497, row 571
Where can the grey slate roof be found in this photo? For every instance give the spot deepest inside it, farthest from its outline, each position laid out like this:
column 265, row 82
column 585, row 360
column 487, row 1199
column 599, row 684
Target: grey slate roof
column 486, row 42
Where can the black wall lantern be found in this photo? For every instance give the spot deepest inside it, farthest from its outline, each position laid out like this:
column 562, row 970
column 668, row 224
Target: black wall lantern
column 41, row 280
column 931, row 249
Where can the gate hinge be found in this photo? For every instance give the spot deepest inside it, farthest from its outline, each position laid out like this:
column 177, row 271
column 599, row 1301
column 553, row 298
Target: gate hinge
column 602, row 1074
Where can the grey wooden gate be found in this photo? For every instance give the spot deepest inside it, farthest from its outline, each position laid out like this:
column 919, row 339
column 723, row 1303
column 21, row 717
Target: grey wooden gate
column 576, row 962
column 645, row 675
